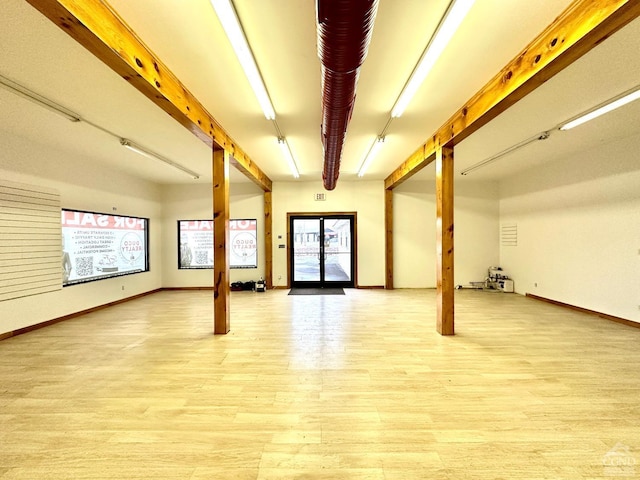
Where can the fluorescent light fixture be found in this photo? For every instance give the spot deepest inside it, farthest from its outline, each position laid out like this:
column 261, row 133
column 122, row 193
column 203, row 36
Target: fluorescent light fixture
column 24, row 92
column 373, row 151
column 149, row 154
column 231, row 24
column 286, row 151
column 513, row 148
column 74, row 117
column 608, row 106
column 458, row 9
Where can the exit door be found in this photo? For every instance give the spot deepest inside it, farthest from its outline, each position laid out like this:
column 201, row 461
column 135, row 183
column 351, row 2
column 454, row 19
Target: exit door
column 322, row 250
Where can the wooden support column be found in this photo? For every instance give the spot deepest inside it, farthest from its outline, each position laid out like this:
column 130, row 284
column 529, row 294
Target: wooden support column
column 268, row 240
column 221, row 297
column 388, row 237
column 444, row 240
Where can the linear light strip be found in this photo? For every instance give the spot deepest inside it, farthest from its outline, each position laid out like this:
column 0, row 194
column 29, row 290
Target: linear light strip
column 608, row 106
column 286, row 151
column 149, row 154
column 38, row 99
column 231, row 24
column 32, row 96
column 371, row 154
column 513, row 148
column 453, row 18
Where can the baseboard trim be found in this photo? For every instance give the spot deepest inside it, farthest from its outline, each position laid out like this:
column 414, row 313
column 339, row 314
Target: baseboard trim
column 606, row 316
column 358, row 287
column 185, row 288
column 38, row 326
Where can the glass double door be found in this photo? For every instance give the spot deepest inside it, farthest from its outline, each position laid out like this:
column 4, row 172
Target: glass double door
column 322, row 253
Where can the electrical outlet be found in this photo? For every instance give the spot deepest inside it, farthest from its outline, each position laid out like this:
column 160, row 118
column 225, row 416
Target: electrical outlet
column 279, row 277
column 123, row 288
column 535, row 284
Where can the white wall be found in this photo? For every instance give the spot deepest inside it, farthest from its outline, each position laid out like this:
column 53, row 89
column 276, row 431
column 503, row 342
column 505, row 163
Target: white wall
column 364, row 197
column 578, row 228
column 476, row 220
column 83, row 186
column 247, row 201
column 578, row 223
column 194, row 202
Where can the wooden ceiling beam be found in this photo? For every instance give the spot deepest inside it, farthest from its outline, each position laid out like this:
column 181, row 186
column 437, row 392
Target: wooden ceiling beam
column 98, row 28
column 580, row 28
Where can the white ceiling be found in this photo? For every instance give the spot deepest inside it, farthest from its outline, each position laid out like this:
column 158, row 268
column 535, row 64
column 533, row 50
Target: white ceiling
column 188, row 38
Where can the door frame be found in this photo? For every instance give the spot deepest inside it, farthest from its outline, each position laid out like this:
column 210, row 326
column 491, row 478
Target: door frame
column 354, row 253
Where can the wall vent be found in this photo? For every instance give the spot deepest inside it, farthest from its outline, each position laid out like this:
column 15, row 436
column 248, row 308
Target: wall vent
column 509, row 235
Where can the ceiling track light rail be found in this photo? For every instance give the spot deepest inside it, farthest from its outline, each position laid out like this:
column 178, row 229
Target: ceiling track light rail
column 371, row 154
column 38, row 99
column 149, row 154
column 44, row 102
column 232, row 26
column 449, row 24
column 286, row 151
column 605, row 107
column 235, row 33
column 539, row 137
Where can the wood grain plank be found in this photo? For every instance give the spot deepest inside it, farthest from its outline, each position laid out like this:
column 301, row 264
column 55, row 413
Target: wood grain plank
column 268, row 239
column 419, row 159
column 354, row 388
column 444, row 241
column 221, row 288
column 388, row 238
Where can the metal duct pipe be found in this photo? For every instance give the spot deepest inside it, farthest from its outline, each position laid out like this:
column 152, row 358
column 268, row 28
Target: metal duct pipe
column 344, row 32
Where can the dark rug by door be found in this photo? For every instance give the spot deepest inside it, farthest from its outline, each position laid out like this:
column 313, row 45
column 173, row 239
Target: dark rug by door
column 316, row 291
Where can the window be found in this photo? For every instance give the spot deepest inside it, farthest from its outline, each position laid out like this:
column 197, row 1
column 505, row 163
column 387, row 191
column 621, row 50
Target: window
column 97, row 246
column 195, row 244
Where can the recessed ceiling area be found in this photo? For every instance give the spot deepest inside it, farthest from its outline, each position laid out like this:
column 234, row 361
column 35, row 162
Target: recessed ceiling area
column 282, row 34
column 607, row 71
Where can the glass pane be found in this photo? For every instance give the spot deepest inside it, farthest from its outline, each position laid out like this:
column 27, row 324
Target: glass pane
column 337, row 250
column 306, row 250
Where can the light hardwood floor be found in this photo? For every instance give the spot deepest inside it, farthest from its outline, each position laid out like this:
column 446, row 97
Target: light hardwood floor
column 322, row 387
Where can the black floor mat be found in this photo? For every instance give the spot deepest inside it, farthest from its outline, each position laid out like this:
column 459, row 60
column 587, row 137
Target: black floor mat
column 316, row 291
